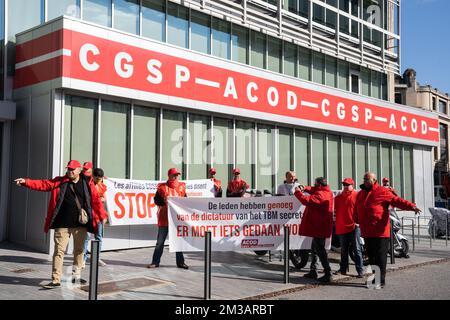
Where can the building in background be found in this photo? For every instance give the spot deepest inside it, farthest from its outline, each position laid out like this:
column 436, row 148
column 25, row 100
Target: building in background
column 409, row 92
column 137, row 87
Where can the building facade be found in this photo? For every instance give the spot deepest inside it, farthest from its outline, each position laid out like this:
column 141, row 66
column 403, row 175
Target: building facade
column 138, row 87
column 409, row 92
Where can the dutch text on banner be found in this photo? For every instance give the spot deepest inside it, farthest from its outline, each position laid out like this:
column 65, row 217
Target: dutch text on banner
column 130, row 202
column 236, row 224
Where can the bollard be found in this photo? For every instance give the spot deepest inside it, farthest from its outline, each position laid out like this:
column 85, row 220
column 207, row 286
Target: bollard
column 418, row 229
column 392, row 246
column 93, row 273
column 270, row 256
column 207, row 287
column 446, row 230
column 286, row 254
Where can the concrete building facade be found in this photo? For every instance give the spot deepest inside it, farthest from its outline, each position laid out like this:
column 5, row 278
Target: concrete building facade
column 140, row 86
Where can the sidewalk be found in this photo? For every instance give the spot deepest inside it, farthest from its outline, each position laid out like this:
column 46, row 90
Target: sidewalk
column 235, row 275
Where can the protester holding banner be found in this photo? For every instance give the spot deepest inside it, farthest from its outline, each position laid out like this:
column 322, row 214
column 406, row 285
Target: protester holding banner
column 346, row 227
column 217, row 183
column 74, row 208
column 236, row 187
column 172, row 188
column 372, row 209
column 317, row 222
column 97, row 178
column 287, row 188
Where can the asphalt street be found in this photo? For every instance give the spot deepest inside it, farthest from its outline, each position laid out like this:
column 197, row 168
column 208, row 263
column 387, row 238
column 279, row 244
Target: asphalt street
column 429, row 282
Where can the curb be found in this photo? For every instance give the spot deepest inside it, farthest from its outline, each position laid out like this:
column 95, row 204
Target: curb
column 341, row 280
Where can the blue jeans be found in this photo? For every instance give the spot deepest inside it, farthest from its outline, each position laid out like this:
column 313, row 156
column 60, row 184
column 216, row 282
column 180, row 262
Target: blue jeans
column 162, row 235
column 98, row 236
column 352, row 239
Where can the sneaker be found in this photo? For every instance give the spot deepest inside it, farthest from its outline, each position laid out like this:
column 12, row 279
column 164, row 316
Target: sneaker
column 183, row 266
column 325, row 279
column 310, row 275
column 52, row 285
column 341, row 273
column 78, row 279
column 360, row 275
column 152, row 266
column 101, row 263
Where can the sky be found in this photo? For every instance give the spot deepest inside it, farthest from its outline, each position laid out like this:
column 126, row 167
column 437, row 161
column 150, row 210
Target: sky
column 425, row 41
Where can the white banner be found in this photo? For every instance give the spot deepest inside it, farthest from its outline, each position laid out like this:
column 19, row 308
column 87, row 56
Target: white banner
column 130, row 202
column 236, row 223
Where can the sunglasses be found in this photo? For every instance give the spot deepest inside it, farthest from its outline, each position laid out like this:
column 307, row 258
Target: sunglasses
column 346, row 184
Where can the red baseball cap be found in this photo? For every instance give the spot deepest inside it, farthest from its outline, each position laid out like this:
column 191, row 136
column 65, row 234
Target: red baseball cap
column 236, row 171
column 173, row 171
column 385, row 180
column 349, row 181
column 73, row 164
column 87, row 165
column 212, row 171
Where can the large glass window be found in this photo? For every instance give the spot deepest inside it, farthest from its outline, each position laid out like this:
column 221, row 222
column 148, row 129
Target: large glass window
column 365, row 81
column 274, row 54
column 79, row 128
column 442, row 106
column 178, row 25
column 145, row 143
column 325, row 16
column 302, row 157
column 114, row 139
column 304, row 61
column 318, row 155
column 361, row 159
column 334, row 163
column 265, row 157
column 126, row 15
column 284, row 153
column 240, row 44
column 172, row 148
column 22, row 15
column 386, row 162
column 154, row 19
column 258, row 49
column 222, row 149
column 374, row 156
column 290, row 59
column 376, row 85
column 199, row 146
column 398, row 174
column 244, row 142
column 200, row 32
column 330, row 72
column 348, row 154
column 318, row 67
column 56, row 8
column 221, row 38
column 97, row 11
column 343, row 75
column 408, row 169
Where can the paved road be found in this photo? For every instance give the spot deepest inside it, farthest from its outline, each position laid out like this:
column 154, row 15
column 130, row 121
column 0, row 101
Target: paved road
column 430, row 282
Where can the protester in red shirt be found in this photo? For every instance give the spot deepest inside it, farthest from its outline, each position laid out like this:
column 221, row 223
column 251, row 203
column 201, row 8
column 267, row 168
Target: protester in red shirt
column 217, row 183
column 372, row 210
column 97, row 180
column 69, row 194
column 317, row 222
column 387, row 185
column 87, row 169
column 346, row 227
column 172, row 188
column 237, row 186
